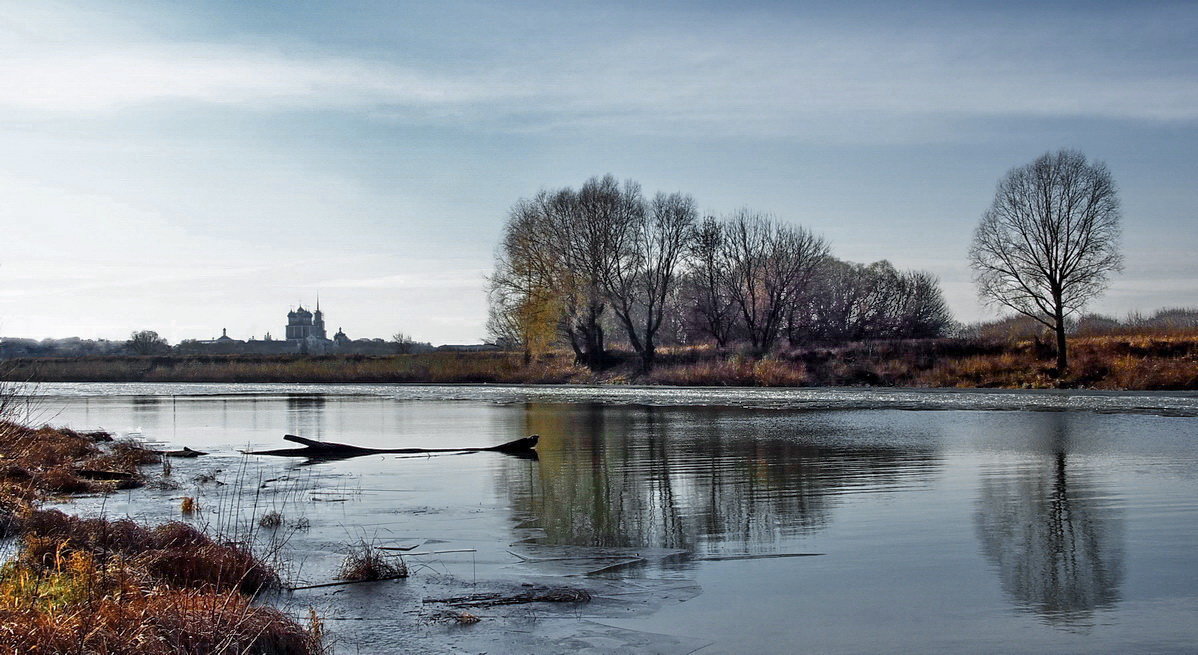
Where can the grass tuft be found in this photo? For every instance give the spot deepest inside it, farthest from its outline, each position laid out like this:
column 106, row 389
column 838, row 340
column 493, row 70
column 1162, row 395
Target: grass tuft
column 363, row 563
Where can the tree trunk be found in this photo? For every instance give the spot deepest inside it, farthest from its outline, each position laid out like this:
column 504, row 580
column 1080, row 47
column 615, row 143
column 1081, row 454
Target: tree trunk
column 1062, row 356
column 648, row 354
column 1059, row 321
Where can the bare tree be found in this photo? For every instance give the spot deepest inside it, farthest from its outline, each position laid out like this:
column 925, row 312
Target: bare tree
column 1049, row 241
column 404, row 343
column 705, row 284
column 592, row 225
column 525, row 293
column 923, row 312
column 851, row 302
column 642, row 275
column 766, row 266
column 556, row 261
column 146, row 342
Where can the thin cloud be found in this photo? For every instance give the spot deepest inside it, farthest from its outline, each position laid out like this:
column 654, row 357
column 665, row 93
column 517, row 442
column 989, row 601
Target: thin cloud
column 471, row 278
column 98, row 80
column 787, row 79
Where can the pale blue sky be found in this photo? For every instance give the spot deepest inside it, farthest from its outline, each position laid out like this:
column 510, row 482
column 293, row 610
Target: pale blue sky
column 191, row 166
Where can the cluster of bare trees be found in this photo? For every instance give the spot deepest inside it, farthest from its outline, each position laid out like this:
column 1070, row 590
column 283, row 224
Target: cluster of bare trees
column 852, row 302
column 575, row 263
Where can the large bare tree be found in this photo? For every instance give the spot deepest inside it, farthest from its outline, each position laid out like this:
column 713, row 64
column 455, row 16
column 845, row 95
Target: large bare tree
column 1049, row 241
column 592, row 227
column 767, row 265
column 556, row 262
column 642, row 276
column 525, row 294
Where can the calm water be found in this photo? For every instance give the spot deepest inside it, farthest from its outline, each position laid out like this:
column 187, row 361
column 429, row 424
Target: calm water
column 1001, row 522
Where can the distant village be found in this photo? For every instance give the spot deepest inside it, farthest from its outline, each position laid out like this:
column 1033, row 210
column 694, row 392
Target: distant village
column 304, row 333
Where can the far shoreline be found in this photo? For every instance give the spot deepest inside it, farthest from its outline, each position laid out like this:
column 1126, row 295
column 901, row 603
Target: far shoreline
column 1109, row 363
column 1142, row 363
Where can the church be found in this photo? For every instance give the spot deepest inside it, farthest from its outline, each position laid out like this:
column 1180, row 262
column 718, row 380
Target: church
column 306, row 331
column 302, row 323
column 305, row 334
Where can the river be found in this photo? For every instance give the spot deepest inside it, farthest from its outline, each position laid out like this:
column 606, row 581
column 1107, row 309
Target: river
column 701, row 520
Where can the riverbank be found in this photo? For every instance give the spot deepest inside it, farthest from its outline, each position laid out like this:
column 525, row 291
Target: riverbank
column 115, row 586
column 1105, row 362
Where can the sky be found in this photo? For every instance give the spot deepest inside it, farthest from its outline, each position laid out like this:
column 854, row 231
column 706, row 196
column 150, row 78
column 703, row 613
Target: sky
column 188, row 167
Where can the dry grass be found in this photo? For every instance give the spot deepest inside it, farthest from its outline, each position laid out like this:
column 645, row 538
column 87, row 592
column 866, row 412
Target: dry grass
column 1106, row 362
column 1159, row 358
column 429, row 367
column 100, row 586
column 152, row 621
column 363, row 563
column 114, row 587
column 735, row 370
column 174, row 554
column 271, row 520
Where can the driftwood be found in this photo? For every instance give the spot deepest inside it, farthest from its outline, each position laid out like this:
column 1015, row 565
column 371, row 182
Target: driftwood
column 105, row 476
column 325, row 450
column 186, row 452
column 342, row 583
column 533, row 595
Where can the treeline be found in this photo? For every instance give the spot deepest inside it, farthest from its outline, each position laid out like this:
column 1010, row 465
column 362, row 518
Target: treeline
column 1166, row 322
column 11, row 347
column 575, row 264
column 150, row 343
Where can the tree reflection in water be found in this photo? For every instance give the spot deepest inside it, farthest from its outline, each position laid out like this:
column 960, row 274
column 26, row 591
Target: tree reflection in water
column 706, row 479
column 1051, row 531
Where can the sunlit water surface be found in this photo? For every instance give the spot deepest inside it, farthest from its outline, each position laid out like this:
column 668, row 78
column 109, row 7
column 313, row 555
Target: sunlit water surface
column 1002, row 522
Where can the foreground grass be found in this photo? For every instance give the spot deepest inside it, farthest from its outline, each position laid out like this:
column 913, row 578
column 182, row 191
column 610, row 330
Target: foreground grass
column 1155, row 361
column 113, row 587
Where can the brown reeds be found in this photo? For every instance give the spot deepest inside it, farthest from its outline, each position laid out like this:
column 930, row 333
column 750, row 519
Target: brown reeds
column 1157, row 359
column 79, row 585
column 429, row 367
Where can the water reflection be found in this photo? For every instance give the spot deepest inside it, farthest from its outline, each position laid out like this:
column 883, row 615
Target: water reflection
column 306, row 415
column 702, row 479
column 146, row 405
column 1052, row 531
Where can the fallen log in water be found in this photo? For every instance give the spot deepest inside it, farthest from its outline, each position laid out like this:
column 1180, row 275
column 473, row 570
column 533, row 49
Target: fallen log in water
column 328, row 450
column 186, row 453
column 532, row 595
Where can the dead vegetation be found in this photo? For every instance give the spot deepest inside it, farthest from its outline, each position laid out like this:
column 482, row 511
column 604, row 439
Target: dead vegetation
column 1155, row 358
column 92, row 585
column 366, row 563
column 271, row 520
